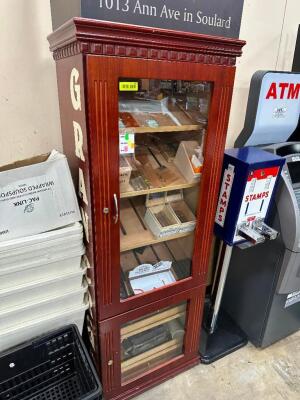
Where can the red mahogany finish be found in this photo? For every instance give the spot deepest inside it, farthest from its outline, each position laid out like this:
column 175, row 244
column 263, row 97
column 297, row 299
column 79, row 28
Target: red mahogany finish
column 103, row 73
column 113, row 39
column 91, row 56
column 110, row 347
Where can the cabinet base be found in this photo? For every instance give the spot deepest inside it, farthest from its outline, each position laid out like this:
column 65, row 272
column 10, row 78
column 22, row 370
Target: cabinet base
column 226, row 339
column 151, row 382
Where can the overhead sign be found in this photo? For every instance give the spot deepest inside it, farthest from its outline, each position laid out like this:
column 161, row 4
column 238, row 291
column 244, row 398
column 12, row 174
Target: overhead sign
column 211, row 17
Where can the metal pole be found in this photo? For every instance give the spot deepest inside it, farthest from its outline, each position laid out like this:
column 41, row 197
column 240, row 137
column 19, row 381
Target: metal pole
column 225, row 266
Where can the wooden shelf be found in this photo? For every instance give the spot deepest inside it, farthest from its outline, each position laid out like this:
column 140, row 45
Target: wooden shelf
column 134, row 233
column 135, row 241
column 134, row 193
column 160, row 318
column 178, row 251
column 157, row 355
column 161, row 177
column 162, row 129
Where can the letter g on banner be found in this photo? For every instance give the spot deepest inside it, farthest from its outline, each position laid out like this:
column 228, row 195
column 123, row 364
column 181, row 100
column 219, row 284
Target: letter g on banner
column 75, row 89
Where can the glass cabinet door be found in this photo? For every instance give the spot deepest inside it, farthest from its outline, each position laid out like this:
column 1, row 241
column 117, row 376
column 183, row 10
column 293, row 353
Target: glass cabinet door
column 151, row 341
column 162, row 126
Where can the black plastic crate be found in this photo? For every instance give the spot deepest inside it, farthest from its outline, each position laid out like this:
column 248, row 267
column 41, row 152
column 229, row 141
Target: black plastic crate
column 55, row 366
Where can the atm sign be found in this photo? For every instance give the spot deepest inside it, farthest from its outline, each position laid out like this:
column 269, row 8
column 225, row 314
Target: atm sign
column 283, row 90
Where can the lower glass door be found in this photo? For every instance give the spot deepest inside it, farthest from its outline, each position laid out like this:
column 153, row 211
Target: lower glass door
column 152, row 340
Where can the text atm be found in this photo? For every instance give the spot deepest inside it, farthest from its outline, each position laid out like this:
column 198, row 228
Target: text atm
column 262, row 291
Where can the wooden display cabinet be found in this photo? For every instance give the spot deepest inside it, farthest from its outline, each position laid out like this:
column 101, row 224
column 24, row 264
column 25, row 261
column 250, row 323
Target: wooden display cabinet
column 144, row 114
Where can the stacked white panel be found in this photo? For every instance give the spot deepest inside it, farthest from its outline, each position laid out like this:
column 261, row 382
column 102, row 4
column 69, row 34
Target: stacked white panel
column 42, row 284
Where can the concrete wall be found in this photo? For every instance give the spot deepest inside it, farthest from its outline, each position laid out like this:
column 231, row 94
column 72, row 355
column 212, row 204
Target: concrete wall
column 29, row 114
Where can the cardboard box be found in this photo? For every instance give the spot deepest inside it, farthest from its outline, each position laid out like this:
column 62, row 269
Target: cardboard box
column 124, row 174
column 167, row 214
column 147, row 277
column 183, row 160
column 36, row 195
column 159, row 216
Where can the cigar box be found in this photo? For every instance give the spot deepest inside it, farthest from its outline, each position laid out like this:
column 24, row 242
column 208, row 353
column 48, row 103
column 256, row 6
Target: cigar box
column 167, row 214
column 183, row 158
column 125, row 173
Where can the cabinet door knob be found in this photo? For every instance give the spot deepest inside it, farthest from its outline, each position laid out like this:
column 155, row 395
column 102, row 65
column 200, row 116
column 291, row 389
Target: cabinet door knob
column 116, row 217
column 110, row 363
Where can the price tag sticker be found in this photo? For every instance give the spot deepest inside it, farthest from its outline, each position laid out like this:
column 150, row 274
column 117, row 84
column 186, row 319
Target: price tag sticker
column 127, row 142
column 128, row 86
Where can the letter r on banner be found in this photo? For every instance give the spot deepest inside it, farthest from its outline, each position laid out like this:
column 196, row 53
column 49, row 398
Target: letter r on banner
column 78, row 135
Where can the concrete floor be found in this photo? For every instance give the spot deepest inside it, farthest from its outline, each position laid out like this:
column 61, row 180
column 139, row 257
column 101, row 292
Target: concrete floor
column 248, row 374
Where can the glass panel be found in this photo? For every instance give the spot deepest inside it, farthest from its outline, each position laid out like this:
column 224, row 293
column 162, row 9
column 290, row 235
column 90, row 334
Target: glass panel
column 162, row 126
column 152, row 340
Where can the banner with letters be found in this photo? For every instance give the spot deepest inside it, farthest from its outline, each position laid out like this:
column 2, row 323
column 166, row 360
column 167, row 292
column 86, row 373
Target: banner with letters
column 211, row 17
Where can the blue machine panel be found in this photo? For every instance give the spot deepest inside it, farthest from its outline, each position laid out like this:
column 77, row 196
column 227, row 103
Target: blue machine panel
column 249, row 178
